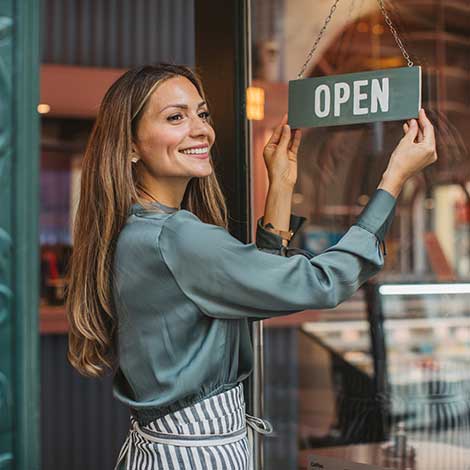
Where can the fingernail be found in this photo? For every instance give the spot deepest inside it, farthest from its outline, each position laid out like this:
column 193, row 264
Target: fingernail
column 286, row 127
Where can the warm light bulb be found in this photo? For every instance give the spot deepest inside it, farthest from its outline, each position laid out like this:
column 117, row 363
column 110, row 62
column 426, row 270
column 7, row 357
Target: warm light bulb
column 363, row 199
column 255, row 103
column 377, row 29
column 43, row 108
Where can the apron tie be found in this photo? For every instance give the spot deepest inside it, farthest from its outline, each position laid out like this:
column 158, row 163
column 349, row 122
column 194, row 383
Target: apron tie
column 126, row 447
column 259, row 425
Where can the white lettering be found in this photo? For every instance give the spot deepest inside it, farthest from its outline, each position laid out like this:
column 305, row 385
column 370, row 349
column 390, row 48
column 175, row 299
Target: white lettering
column 358, row 97
column 379, row 95
column 342, row 94
column 322, row 89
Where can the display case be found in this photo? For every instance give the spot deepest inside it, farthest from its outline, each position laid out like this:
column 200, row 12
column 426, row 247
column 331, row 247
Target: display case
column 404, row 363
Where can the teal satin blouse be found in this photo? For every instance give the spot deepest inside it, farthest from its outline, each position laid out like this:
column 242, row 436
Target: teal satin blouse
column 184, row 292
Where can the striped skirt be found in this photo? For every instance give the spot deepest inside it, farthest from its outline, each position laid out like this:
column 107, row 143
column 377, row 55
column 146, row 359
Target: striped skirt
column 210, row 435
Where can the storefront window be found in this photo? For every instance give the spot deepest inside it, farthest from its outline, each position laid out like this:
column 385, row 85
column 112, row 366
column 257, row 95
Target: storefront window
column 391, row 363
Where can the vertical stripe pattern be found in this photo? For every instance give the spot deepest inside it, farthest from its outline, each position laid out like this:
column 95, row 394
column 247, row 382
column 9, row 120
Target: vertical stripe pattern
column 213, row 417
column 117, row 33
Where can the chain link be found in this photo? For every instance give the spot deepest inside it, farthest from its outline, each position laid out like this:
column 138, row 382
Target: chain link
column 328, row 19
column 395, row 33
column 320, row 35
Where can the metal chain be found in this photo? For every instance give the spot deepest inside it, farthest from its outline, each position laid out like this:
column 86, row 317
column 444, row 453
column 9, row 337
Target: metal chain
column 320, row 34
column 343, row 35
column 395, row 33
column 328, row 19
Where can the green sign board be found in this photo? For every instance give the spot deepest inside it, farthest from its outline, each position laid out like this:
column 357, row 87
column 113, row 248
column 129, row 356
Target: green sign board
column 353, row 98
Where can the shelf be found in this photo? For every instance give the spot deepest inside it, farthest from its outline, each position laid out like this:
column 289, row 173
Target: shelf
column 52, row 319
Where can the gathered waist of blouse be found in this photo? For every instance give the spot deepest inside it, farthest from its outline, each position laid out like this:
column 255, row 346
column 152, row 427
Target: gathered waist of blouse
column 145, row 415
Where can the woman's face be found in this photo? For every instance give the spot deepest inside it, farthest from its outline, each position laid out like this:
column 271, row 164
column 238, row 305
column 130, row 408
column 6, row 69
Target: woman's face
column 173, row 136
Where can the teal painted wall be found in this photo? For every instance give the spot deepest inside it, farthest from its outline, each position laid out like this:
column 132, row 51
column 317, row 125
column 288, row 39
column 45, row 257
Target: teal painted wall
column 6, row 327
column 19, row 195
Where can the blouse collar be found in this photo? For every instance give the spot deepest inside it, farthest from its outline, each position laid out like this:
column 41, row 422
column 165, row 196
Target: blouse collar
column 158, row 206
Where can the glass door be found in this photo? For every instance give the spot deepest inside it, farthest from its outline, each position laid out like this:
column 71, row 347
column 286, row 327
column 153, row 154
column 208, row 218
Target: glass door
column 325, row 390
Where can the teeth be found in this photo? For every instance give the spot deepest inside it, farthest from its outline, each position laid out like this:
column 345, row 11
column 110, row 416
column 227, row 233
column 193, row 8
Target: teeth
column 195, row 151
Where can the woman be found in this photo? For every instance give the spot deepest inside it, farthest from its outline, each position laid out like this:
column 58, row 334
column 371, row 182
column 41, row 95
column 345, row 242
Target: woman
column 160, row 292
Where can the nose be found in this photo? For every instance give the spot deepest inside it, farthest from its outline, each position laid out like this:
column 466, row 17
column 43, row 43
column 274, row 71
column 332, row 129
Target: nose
column 199, row 126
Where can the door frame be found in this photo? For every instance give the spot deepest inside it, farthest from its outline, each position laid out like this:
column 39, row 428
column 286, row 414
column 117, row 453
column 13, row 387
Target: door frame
column 223, row 59
column 19, row 224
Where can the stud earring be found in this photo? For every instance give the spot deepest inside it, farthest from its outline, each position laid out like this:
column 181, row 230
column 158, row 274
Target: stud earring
column 134, row 157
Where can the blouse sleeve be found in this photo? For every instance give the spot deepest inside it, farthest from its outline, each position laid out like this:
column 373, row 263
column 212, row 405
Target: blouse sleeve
column 229, row 279
column 271, row 242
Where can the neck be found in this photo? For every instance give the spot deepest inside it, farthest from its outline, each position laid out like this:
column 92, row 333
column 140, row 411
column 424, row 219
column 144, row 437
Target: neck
column 168, row 191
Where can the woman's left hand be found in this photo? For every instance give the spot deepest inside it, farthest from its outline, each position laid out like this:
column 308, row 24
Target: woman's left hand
column 280, row 155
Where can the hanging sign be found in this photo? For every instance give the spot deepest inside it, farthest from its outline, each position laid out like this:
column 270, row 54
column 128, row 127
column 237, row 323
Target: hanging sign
column 353, row 98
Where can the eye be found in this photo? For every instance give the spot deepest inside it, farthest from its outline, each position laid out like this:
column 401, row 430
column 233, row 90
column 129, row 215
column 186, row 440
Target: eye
column 174, row 117
column 204, row 115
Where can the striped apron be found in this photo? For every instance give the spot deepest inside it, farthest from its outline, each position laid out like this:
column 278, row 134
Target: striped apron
column 214, row 434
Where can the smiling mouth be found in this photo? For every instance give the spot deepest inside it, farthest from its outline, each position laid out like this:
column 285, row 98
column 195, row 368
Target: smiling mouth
column 196, row 151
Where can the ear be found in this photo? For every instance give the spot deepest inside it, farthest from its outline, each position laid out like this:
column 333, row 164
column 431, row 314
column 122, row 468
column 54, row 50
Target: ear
column 134, row 148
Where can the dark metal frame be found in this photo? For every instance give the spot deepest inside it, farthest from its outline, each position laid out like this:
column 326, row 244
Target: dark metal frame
column 223, row 58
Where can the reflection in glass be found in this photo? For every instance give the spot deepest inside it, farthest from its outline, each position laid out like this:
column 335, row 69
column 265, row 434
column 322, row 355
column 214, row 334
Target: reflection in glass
column 343, row 382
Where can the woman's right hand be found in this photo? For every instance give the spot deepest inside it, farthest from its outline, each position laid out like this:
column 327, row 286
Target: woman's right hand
column 415, row 151
column 280, row 155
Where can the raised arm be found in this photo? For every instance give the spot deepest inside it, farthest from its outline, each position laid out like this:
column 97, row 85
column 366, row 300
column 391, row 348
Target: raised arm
column 228, row 279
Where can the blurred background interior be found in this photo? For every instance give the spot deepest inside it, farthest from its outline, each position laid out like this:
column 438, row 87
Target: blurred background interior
column 396, row 357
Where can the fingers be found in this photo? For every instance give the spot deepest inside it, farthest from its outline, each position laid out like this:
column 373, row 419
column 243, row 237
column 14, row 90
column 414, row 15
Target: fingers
column 406, row 127
column 276, row 135
column 420, row 133
column 412, row 131
column 285, row 138
column 295, row 141
column 427, row 128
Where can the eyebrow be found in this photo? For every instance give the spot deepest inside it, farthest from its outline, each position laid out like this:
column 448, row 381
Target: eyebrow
column 182, row 106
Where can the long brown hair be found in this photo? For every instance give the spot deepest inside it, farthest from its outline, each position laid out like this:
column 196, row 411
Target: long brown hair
column 107, row 191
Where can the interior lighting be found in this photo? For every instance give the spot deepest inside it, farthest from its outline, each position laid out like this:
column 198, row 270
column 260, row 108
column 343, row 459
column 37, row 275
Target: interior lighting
column 424, row 289
column 255, row 103
column 377, row 29
column 43, row 108
column 363, row 27
column 363, row 199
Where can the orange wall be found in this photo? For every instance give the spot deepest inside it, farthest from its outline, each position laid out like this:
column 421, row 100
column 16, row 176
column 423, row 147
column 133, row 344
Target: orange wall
column 75, row 91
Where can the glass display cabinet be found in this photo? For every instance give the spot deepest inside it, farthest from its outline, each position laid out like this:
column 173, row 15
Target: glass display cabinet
column 404, row 364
